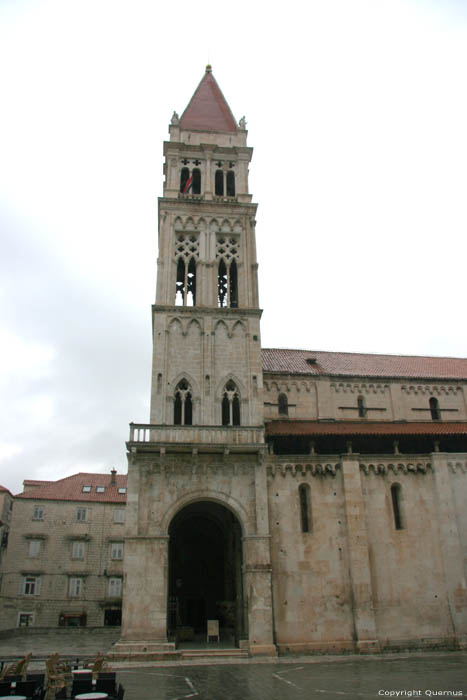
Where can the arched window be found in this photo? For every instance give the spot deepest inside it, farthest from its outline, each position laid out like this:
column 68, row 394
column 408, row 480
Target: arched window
column 304, row 494
column 230, row 404
column 434, row 408
column 283, row 405
column 219, row 183
column 361, row 407
column 227, row 285
column 183, row 406
column 230, row 183
column 396, row 496
column 184, row 177
column 185, row 287
column 196, row 174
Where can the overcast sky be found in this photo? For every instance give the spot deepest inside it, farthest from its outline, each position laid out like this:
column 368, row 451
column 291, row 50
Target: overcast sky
column 357, row 112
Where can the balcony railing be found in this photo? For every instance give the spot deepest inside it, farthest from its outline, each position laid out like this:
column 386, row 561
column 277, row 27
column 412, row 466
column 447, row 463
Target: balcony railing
column 141, row 433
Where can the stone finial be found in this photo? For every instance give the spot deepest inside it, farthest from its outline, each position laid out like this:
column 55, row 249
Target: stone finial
column 242, row 123
column 209, row 68
column 175, row 119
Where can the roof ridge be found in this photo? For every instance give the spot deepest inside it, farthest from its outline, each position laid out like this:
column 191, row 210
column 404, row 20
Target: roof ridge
column 367, row 354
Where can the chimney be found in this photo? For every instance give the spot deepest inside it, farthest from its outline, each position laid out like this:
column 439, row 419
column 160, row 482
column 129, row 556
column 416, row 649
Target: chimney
column 113, row 480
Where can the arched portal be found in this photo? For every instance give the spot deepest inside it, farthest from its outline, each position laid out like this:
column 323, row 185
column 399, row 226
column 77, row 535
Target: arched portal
column 205, row 572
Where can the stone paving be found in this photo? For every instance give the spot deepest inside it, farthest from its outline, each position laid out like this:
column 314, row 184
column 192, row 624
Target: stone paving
column 286, row 678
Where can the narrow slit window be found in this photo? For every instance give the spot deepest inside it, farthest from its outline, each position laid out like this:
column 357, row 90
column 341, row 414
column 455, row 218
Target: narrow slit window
column 396, row 496
column 230, row 183
column 219, row 183
column 283, row 405
column 434, row 409
column 361, row 407
column 233, row 285
column 304, row 493
column 184, row 177
column 180, row 284
column 196, row 175
column 191, row 283
column 222, row 296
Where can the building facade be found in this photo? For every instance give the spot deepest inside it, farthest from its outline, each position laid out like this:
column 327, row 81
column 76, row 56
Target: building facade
column 308, row 501
column 64, row 561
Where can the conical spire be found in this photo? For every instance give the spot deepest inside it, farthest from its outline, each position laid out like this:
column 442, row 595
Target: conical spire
column 208, row 109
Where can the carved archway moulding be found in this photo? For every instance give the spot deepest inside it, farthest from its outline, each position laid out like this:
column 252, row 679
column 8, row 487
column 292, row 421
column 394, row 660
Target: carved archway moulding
column 219, row 497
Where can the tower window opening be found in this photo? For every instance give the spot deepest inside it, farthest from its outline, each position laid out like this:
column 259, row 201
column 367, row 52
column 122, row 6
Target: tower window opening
column 185, row 287
column 184, row 177
column 219, row 183
column 230, row 183
column 222, row 285
column 434, row 409
column 233, row 286
column 396, row 495
column 230, row 404
column 283, row 405
column 196, row 174
column 304, row 494
column 227, row 285
column 361, row 407
column 183, row 405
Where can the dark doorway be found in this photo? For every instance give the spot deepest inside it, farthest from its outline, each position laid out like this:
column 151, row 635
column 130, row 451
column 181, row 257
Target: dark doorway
column 205, row 579
column 113, row 617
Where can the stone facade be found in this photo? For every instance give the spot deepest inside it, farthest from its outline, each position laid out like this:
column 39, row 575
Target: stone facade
column 64, row 561
column 341, row 480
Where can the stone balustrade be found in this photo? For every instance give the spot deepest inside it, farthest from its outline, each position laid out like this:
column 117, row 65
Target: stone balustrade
column 214, row 435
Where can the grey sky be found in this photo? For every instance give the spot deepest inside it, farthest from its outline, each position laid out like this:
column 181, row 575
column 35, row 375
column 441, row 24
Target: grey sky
column 357, row 114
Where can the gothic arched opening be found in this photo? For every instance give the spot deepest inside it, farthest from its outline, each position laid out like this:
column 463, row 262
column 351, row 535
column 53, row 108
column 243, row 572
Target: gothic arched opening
column 205, row 572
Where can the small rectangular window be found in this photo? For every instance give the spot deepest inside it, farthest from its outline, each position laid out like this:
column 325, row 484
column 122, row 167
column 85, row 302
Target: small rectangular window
column 115, row 587
column 38, row 513
column 119, row 515
column 86, row 489
column 77, row 550
column 82, row 514
column 75, row 587
column 31, row 585
column 116, row 550
column 34, row 549
column 122, row 489
column 100, row 489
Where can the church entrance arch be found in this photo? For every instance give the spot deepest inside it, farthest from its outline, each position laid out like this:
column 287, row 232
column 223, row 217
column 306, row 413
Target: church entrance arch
column 205, row 572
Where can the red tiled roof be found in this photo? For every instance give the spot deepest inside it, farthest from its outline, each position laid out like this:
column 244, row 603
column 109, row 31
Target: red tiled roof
column 4, row 488
column 208, row 109
column 71, row 489
column 284, row 428
column 362, row 365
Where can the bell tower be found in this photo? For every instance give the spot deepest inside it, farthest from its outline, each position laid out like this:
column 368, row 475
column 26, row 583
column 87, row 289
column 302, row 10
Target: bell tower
column 197, row 544
column 207, row 351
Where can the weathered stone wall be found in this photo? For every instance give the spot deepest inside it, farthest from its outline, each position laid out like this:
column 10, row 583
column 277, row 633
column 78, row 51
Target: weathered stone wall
column 54, row 565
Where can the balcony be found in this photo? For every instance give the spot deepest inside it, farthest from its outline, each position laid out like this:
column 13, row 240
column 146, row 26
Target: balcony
column 202, row 438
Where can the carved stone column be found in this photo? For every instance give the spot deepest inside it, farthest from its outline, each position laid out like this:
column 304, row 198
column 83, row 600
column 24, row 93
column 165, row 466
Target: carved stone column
column 258, row 590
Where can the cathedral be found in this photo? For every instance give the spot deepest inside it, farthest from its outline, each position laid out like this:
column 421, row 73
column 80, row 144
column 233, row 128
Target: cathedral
column 302, row 501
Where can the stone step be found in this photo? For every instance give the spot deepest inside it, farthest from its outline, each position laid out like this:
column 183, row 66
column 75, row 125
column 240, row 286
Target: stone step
column 209, row 653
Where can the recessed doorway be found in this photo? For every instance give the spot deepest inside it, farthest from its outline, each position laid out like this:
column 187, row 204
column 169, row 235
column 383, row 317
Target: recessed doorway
column 205, row 573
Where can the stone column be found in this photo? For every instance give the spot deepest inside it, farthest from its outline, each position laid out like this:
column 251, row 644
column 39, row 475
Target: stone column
column 359, row 561
column 258, row 589
column 451, row 547
column 144, row 614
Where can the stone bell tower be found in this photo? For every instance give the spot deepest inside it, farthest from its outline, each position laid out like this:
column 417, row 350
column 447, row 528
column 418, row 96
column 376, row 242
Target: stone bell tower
column 197, row 544
column 207, row 351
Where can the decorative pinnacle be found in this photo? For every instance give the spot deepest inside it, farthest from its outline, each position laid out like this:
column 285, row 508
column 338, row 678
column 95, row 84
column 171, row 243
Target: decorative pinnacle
column 209, row 68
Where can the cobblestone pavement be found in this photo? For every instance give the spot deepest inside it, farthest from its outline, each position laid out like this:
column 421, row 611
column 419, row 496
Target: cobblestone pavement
column 352, row 679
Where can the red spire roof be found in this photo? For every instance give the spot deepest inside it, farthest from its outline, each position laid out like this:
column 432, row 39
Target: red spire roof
column 208, row 109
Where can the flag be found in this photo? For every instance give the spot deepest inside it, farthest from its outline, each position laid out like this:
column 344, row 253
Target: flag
column 188, row 185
